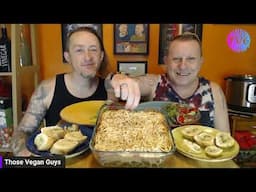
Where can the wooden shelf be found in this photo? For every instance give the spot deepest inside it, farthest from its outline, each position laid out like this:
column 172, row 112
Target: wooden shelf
column 5, row 74
column 5, row 149
column 23, row 79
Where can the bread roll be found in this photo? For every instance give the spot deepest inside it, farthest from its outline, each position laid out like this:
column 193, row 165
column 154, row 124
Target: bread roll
column 54, row 131
column 63, row 146
column 43, row 142
column 75, row 136
column 73, row 127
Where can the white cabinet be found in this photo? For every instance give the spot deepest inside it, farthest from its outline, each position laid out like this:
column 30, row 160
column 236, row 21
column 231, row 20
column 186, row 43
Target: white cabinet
column 23, row 79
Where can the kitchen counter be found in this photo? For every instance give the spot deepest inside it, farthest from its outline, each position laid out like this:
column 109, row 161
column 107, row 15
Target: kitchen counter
column 176, row 160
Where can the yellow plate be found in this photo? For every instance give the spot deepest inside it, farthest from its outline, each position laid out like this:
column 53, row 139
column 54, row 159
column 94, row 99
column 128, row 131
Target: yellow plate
column 227, row 154
column 83, row 113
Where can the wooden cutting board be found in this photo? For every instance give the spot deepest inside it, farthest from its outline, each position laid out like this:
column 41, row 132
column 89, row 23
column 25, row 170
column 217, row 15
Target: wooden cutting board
column 83, row 113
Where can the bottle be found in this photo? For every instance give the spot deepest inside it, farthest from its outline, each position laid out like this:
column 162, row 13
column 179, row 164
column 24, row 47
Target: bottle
column 25, row 54
column 5, row 51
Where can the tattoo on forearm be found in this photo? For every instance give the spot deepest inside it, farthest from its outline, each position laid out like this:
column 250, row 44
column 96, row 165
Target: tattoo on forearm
column 32, row 118
column 18, row 141
column 147, row 84
column 35, row 112
column 148, row 80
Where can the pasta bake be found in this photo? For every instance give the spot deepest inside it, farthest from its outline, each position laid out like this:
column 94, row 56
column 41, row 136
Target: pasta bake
column 123, row 130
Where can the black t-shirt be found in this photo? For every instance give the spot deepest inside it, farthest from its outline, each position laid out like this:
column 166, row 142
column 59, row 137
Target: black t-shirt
column 63, row 98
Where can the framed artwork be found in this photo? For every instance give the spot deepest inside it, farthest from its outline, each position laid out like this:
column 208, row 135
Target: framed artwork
column 132, row 68
column 131, row 38
column 67, row 28
column 168, row 31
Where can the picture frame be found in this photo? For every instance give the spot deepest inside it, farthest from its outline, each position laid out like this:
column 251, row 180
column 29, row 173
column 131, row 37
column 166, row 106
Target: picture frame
column 131, row 39
column 168, row 31
column 132, row 68
column 67, row 28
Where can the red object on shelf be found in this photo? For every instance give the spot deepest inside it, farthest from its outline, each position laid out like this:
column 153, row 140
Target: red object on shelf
column 246, row 139
column 5, row 91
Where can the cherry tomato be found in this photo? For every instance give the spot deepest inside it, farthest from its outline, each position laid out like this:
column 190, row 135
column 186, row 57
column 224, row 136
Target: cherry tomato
column 183, row 110
column 181, row 119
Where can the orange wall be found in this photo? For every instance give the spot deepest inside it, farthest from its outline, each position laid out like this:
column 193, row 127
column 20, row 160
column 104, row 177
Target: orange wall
column 51, row 50
column 220, row 61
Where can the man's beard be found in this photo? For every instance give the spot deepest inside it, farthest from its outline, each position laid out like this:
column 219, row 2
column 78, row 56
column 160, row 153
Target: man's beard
column 87, row 76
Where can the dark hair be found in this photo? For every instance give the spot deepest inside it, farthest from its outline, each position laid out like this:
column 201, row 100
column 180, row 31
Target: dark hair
column 187, row 36
column 103, row 67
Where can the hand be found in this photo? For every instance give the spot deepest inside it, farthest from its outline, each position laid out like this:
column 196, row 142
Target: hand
column 24, row 153
column 127, row 89
column 19, row 149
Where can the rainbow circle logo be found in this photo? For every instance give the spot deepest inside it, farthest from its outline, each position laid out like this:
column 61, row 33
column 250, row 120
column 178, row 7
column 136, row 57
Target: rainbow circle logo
column 238, row 40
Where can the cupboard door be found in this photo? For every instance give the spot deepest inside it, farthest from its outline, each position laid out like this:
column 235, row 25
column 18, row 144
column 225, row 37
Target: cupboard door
column 243, row 124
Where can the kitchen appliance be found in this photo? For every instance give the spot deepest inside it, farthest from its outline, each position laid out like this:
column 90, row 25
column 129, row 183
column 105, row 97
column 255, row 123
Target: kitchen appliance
column 241, row 92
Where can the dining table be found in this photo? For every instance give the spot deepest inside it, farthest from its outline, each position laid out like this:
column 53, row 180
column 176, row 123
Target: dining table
column 176, row 160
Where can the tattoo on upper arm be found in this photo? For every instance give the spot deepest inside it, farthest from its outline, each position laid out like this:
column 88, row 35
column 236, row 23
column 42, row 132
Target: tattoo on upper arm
column 36, row 110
